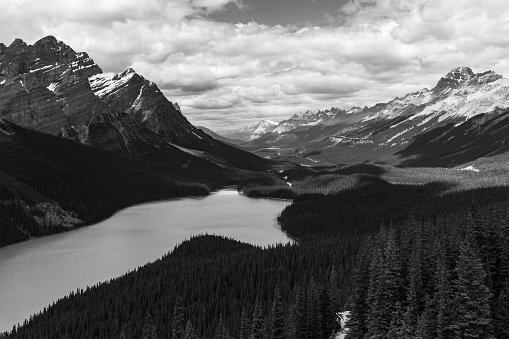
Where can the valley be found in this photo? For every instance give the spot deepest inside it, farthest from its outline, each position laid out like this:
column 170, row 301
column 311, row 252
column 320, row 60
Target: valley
column 416, row 188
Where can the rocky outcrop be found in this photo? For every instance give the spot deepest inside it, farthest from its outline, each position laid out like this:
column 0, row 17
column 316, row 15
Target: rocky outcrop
column 44, row 86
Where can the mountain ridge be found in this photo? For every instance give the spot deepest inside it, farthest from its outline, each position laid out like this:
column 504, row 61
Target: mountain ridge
column 382, row 132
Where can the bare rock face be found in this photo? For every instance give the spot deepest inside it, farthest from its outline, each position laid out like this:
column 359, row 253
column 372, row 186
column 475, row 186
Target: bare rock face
column 51, row 88
column 45, row 86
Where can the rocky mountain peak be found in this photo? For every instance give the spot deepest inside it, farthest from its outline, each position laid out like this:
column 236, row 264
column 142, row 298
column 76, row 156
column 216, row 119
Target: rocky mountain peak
column 454, row 79
column 18, row 43
column 49, row 40
column 460, row 74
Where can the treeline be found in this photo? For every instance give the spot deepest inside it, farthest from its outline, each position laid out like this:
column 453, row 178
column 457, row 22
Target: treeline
column 373, row 201
column 226, row 289
column 90, row 183
column 435, row 279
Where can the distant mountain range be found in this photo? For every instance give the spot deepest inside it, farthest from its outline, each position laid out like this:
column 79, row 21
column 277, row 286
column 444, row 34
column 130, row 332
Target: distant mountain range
column 466, row 107
column 248, row 133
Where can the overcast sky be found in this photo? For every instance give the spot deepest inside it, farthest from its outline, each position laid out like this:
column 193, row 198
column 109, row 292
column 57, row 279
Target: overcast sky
column 233, row 62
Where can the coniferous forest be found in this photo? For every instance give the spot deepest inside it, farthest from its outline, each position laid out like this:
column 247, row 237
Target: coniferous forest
column 407, row 261
column 90, row 183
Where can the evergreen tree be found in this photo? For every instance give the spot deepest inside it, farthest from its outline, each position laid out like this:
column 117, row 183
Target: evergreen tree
column 291, row 324
column 189, row 334
column 327, row 314
column 416, row 286
column 358, row 302
column 471, row 297
column 313, row 311
column 446, row 311
column 426, row 326
column 220, row 329
column 245, row 326
column 301, row 316
column 178, row 320
column 501, row 315
column 149, row 328
column 396, row 329
column 278, row 318
column 257, row 323
column 389, row 289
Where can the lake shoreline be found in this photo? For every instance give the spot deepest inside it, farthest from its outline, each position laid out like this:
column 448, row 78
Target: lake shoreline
column 44, row 269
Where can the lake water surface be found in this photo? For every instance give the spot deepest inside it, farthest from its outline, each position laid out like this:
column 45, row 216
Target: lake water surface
column 35, row 273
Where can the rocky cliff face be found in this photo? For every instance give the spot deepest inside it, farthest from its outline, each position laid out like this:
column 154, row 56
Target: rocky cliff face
column 49, row 87
column 44, row 86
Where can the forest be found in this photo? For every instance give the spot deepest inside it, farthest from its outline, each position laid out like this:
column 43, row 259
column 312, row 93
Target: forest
column 90, row 183
column 211, row 287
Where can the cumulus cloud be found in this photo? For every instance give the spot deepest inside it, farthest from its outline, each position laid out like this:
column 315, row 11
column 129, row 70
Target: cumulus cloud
column 233, row 74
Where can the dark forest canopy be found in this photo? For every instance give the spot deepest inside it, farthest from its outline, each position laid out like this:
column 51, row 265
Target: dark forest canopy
column 89, row 183
column 211, row 287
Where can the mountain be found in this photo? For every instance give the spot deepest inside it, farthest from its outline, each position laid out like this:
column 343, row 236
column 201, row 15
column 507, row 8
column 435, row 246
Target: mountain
column 313, row 118
column 53, row 89
column 249, row 133
column 219, row 137
column 468, row 105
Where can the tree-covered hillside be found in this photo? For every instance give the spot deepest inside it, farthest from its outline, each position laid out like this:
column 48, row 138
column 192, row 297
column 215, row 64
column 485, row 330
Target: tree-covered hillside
column 210, row 287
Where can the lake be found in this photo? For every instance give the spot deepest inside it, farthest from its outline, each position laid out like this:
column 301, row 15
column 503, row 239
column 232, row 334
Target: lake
column 37, row 272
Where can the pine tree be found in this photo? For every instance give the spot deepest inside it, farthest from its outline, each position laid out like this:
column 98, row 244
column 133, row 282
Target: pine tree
column 301, row 316
column 471, row 297
column 178, row 320
column 278, row 319
column 149, row 328
column 220, row 332
column 245, row 326
column 415, row 288
column 358, row 302
column 190, row 334
column 396, row 329
column 388, row 288
column 327, row 314
column 314, row 314
column 426, row 326
column 501, row 315
column 257, row 322
column 291, row 324
column 444, row 294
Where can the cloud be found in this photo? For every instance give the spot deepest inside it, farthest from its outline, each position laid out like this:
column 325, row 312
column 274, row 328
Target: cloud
column 232, row 74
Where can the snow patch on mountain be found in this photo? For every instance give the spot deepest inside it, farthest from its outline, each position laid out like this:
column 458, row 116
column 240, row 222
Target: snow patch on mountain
column 468, row 101
column 104, row 84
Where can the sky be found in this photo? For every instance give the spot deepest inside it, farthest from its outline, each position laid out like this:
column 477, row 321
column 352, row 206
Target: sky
column 230, row 63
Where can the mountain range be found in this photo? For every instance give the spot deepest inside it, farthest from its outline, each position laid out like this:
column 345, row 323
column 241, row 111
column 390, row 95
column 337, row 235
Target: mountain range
column 51, row 88
column 462, row 118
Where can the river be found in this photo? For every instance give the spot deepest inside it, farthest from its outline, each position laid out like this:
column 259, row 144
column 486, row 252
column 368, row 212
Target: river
column 37, row 272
